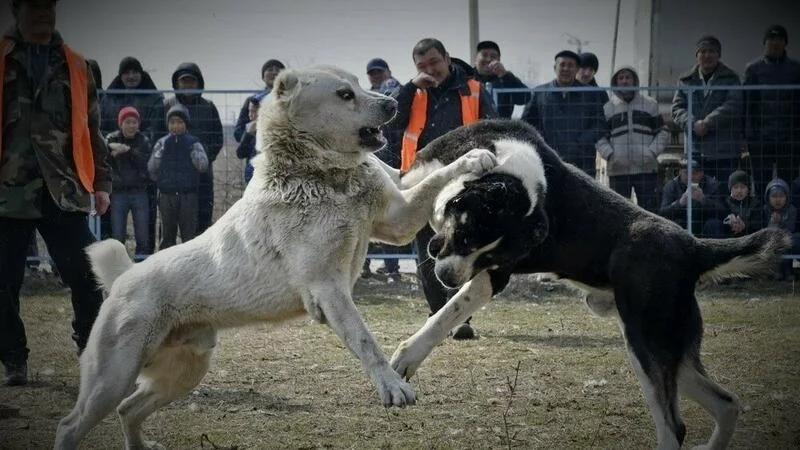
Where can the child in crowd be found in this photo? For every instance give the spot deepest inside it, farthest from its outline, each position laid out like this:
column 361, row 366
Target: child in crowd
column 247, row 147
column 743, row 210
column 130, row 151
column 780, row 213
column 176, row 164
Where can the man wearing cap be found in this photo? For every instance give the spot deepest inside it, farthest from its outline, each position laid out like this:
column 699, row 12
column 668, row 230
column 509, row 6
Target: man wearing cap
column 205, row 125
column 772, row 127
column 440, row 98
column 382, row 81
column 380, row 77
column 52, row 163
column 587, row 69
column 269, row 70
column 716, row 113
column 569, row 121
column 707, row 205
column 489, row 69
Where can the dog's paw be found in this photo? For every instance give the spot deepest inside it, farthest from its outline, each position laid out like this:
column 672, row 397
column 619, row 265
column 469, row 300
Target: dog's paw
column 406, row 359
column 394, row 391
column 477, row 161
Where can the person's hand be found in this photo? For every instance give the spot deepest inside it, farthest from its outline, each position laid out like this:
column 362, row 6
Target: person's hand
column 424, row 81
column 118, row 148
column 737, row 225
column 101, row 202
column 684, row 199
column 697, row 194
column 251, row 127
column 497, row 68
column 701, row 128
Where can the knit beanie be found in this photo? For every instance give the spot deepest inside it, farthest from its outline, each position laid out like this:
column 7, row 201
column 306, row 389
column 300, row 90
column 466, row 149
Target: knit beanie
column 124, row 113
column 739, row 176
column 271, row 63
column 180, row 111
column 708, row 41
column 589, row 60
column 129, row 63
column 776, row 31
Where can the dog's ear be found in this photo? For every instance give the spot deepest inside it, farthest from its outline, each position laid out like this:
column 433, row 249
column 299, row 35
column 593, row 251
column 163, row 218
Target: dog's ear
column 286, row 84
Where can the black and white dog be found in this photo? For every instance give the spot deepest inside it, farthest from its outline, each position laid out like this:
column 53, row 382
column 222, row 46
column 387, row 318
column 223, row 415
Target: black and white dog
column 535, row 213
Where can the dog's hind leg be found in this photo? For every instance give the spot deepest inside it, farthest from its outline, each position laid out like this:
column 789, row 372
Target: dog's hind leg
column 723, row 405
column 660, row 391
column 109, row 367
column 177, row 367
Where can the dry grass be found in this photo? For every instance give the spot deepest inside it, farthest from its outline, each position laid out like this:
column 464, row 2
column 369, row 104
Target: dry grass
column 296, row 386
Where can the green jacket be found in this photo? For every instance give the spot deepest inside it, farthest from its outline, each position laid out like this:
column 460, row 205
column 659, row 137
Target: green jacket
column 37, row 143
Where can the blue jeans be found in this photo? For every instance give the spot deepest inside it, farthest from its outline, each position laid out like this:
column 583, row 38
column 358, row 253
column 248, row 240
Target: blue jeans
column 136, row 203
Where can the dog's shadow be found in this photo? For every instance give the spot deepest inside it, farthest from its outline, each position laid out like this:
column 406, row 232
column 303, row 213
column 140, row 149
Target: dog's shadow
column 237, row 399
column 560, row 340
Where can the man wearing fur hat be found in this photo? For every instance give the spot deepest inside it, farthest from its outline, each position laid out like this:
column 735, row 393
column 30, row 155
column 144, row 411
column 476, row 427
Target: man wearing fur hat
column 772, row 127
column 716, row 113
column 633, row 136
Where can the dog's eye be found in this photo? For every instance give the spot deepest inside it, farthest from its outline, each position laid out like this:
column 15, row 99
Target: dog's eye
column 346, row 94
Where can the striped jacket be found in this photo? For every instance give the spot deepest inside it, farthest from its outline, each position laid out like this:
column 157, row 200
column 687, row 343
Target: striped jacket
column 633, row 135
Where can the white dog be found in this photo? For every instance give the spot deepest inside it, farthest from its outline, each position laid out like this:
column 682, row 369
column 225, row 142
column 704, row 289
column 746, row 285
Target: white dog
column 294, row 244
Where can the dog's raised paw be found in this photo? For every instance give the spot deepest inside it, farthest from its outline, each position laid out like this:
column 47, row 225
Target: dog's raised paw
column 478, row 161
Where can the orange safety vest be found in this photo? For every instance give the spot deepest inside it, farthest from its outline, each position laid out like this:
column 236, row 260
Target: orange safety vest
column 470, row 110
column 81, row 141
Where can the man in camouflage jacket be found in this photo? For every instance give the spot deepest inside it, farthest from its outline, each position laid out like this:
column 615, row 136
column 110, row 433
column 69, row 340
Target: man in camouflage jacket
column 40, row 188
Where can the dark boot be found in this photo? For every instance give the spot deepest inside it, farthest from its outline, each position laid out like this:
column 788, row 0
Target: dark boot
column 16, row 373
column 464, row 332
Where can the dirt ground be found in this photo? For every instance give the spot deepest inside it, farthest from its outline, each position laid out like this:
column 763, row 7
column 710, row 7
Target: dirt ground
column 544, row 374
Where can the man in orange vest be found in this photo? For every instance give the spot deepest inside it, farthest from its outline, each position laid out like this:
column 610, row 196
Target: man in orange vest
column 440, row 98
column 52, row 163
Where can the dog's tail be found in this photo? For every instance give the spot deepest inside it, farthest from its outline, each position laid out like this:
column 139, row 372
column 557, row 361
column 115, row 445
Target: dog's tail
column 755, row 254
column 109, row 259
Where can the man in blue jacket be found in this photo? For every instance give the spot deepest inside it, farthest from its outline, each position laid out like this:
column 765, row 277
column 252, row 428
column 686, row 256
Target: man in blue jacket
column 569, row 121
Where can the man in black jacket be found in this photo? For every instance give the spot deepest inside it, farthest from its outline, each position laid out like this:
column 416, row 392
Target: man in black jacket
column 772, row 125
column 205, row 125
column 444, row 85
column 489, row 69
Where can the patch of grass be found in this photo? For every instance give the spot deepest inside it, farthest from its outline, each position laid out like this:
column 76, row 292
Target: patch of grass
column 544, row 374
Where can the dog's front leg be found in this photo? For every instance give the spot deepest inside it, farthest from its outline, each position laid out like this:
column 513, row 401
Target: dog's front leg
column 471, row 297
column 341, row 314
column 409, row 210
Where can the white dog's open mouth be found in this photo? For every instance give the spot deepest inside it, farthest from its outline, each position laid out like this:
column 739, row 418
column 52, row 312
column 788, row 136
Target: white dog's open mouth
column 371, row 137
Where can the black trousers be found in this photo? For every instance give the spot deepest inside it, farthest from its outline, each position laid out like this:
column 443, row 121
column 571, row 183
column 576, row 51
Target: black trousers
column 435, row 293
column 205, row 201
column 66, row 235
column 152, row 205
column 178, row 210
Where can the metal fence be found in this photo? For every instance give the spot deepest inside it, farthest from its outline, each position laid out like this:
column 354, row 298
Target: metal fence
column 628, row 142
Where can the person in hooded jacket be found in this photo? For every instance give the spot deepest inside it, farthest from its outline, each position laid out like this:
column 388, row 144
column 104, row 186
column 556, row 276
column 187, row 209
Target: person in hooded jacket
column 780, row 213
column 205, row 125
column 743, row 210
column 633, row 135
column 131, row 77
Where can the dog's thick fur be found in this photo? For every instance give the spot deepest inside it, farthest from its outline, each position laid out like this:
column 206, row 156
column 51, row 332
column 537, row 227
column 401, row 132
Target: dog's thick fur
column 294, row 244
column 538, row 214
